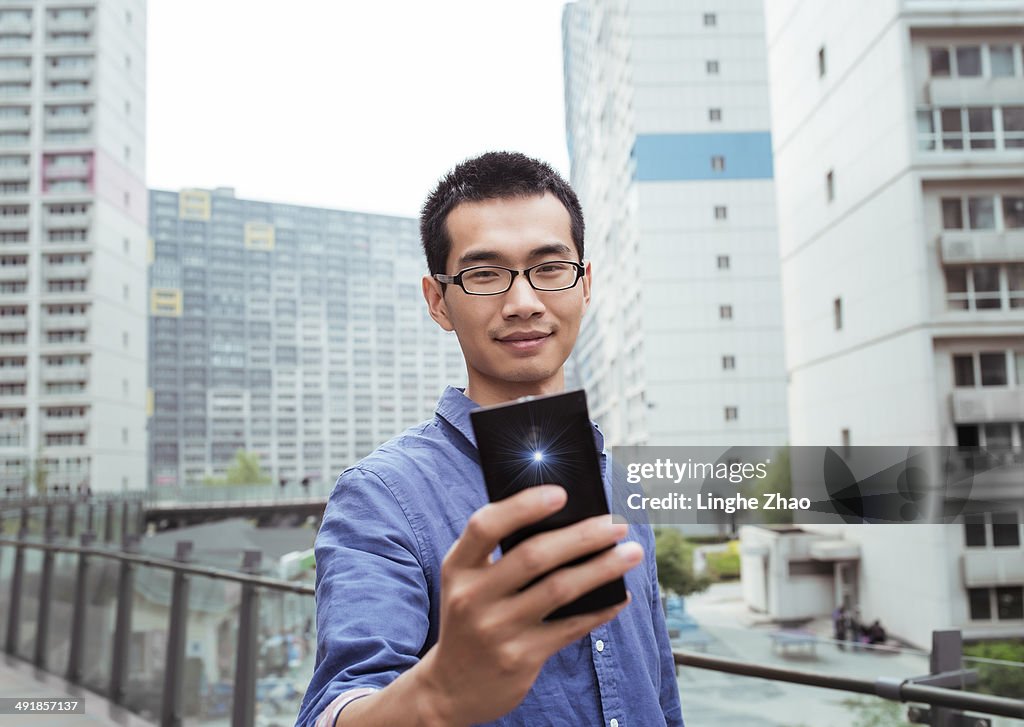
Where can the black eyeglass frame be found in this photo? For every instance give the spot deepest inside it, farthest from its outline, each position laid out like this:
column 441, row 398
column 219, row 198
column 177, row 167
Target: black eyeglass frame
column 457, row 278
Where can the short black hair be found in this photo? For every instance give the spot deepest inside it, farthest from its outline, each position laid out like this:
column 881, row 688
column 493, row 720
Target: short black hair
column 494, row 175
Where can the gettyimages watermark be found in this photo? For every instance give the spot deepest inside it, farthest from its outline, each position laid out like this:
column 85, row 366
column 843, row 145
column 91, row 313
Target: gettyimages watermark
column 813, row 485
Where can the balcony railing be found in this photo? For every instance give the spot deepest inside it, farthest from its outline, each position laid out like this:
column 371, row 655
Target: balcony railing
column 64, row 425
column 987, row 404
column 13, row 324
column 78, row 609
column 13, row 272
column 966, row 246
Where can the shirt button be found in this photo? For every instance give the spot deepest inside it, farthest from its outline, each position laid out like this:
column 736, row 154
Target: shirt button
column 600, row 647
column 613, row 723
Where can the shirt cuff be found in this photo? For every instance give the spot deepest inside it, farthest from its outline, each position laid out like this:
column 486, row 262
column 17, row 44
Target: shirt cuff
column 329, row 716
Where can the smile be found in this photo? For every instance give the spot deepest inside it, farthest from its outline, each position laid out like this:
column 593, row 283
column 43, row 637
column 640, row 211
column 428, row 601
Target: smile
column 525, row 344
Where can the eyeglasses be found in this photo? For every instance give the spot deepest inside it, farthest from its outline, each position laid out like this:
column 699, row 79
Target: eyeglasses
column 495, row 280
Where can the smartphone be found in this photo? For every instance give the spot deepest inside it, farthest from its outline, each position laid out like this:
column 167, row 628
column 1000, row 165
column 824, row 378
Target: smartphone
column 547, row 440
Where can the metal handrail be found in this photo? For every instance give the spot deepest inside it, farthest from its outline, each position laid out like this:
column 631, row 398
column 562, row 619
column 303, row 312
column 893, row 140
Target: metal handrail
column 192, row 569
column 906, row 690
column 245, row 675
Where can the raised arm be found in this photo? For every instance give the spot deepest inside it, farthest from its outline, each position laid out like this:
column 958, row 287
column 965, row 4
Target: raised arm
column 493, row 640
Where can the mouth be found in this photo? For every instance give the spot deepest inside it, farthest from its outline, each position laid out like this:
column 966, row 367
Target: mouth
column 524, row 341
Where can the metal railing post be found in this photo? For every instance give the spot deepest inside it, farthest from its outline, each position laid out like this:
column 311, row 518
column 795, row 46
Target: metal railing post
column 141, row 525
column 947, row 656
column 108, row 524
column 124, row 519
column 171, row 711
column 123, row 623
column 17, row 580
column 69, row 523
column 243, row 710
column 78, row 613
column 45, row 600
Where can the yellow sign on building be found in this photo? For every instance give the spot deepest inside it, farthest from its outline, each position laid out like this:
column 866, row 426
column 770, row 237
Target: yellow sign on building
column 165, row 302
column 194, row 204
column 259, row 235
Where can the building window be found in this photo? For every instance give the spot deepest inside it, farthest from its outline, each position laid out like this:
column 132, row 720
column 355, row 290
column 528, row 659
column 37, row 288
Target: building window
column 723, row 262
column 979, row 601
column 960, row 128
column 821, row 62
column 731, row 413
column 714, row 114
column 710, row 20
column 963, row 370
column 985, row 287
column 728, row 363
column 725, row 312
column 1006, row 602
column 720, row 212
column 837, row 313
column 712, row 67
column 830, row 186
column 718, row 163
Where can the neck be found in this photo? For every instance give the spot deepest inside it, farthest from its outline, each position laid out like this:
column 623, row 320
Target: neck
column 487, row 392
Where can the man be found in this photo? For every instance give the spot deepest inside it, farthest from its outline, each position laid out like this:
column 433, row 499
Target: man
column 420, row 622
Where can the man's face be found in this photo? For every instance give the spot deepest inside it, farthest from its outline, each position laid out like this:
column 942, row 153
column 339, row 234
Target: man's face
column 514, row 343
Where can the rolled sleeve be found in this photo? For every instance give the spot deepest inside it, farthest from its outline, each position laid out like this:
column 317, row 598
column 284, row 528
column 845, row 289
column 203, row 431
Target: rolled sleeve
column 372, row 596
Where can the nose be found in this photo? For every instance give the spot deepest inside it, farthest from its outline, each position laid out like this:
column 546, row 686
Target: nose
column 521, row 300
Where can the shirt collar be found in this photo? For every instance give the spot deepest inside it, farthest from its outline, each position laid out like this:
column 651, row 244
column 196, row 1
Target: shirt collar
column 454, row 407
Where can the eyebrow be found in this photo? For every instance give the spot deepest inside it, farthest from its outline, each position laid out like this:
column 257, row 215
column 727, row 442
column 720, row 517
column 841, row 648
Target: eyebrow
column 478, row 256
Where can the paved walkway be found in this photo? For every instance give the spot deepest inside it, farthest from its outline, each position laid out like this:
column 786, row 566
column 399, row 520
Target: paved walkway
column 20, row 679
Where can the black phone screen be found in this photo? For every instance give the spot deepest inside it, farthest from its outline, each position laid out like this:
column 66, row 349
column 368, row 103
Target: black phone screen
column 546, row 440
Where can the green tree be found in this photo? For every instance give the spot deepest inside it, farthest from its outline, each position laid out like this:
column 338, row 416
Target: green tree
column 777, row 480
column 674, row 555
column 36, row 473
column 1002, row 680
column 245, row 470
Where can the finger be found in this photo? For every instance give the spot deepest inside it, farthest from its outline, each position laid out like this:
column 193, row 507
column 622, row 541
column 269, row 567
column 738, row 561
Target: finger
column 544, row 552
column 492, row 522
column 556, row 635
column 567, row 584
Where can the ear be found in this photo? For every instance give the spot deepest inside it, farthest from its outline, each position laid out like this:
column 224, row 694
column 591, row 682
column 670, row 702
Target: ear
column 436, row 304
column 587, row 280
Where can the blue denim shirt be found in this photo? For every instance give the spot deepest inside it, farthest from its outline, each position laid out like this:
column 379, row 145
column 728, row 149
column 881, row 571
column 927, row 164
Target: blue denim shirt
column 388, row 524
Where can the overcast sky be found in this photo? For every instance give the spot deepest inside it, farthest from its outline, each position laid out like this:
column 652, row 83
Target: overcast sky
column 353, row 105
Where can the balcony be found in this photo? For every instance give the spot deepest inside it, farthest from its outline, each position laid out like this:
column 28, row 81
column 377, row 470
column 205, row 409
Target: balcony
column 16, row 123
column 16, row 25
column 68, row 73
column 10, row 273
column 967, row 246
column 15, row 174
column 974, row 91
column 66, row 271
column 66, row 322
column 63, row 222
column 77, row 170
column 992, row 567
column 16, row 75
column 69, row 25
column 13, row 375
column 15, row 223
column 66, row 373
column 990, row 404
column 65, row 425
column 70, row 122
column 13, row 324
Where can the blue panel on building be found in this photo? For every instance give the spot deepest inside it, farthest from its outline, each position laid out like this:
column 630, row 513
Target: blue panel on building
column 679, row 157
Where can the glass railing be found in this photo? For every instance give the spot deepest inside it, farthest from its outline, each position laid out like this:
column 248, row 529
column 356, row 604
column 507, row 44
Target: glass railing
column 178, row 642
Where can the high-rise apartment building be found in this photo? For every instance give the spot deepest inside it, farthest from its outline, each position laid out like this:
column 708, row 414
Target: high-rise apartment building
column 72, row 244
column 295, row 332
column 667, row 119
column 898, row 133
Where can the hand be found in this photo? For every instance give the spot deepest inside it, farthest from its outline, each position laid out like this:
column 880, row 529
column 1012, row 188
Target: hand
column 493, row 640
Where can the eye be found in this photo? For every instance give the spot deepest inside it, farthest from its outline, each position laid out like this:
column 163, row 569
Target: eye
column 482, row 274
